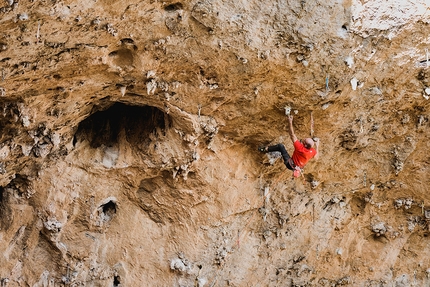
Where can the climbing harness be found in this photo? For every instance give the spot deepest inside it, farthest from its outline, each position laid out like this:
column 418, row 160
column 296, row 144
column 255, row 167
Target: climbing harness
column 297, row 171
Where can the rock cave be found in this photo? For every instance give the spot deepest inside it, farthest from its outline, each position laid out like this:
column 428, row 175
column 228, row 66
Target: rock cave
column 134, row 123
column 130, row 134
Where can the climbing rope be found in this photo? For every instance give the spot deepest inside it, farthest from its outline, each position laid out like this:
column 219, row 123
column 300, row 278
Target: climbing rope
column 312, row 125
column 241, row 233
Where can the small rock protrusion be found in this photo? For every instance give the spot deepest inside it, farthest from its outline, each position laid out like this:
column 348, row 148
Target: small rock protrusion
column 349, row 61
column 111, row 30
column 96, row 21
column 201, row 282
column 402, row 281
column 42, row 149
column 379, row 228
column 325, row 106
column 406, row 118
column 413, row 221
column 2, row 168
column 267, row 234
column 397, row 162
column 263, row 211
column 427, row 214
column 220, row 255
column 335, row 199
column 398, row 203
column 181, row 264
column 151, row 86
column 122, row 89
column 177, row 264
column 408, row 203
column 354, row 83
column 426, row 93
column 422, row 120
column 343, row 281
column 150, row 74
column 314, row 183
column 3, row 47
column 4, row 281
column 53, row 225
column 283, row 219
column 23, row 17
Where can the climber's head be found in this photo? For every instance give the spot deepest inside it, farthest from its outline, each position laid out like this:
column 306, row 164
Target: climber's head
column 308, row 143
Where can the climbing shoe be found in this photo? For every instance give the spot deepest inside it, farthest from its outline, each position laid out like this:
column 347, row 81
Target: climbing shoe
column 262, row 149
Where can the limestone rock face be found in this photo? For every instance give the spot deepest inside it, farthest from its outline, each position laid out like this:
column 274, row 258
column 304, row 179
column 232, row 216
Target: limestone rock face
column 129, row 136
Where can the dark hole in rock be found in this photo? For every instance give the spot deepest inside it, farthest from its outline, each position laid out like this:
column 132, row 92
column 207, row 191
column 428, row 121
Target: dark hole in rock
column 127, row 41
column 173, row 7
column 344, row 27
column 116, row 281
column 119, row 121
column 108, row 210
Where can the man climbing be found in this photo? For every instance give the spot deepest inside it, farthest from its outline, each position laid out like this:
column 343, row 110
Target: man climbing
column 303, row 150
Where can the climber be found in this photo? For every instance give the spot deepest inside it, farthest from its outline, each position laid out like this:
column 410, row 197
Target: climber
column 303, row 150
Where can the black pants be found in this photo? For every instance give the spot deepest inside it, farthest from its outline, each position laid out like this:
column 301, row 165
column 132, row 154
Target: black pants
column 285, row 155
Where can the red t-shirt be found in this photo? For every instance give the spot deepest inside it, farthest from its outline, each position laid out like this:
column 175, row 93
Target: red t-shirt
column 301, row 154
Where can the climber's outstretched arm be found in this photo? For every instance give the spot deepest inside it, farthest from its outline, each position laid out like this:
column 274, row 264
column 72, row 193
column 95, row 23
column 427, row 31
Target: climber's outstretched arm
column 291, row 129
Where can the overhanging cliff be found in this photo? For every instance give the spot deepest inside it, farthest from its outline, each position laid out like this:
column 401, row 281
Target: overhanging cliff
column 128, row 152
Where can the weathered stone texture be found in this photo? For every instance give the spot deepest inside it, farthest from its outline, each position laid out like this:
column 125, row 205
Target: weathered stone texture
column 129, row 135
